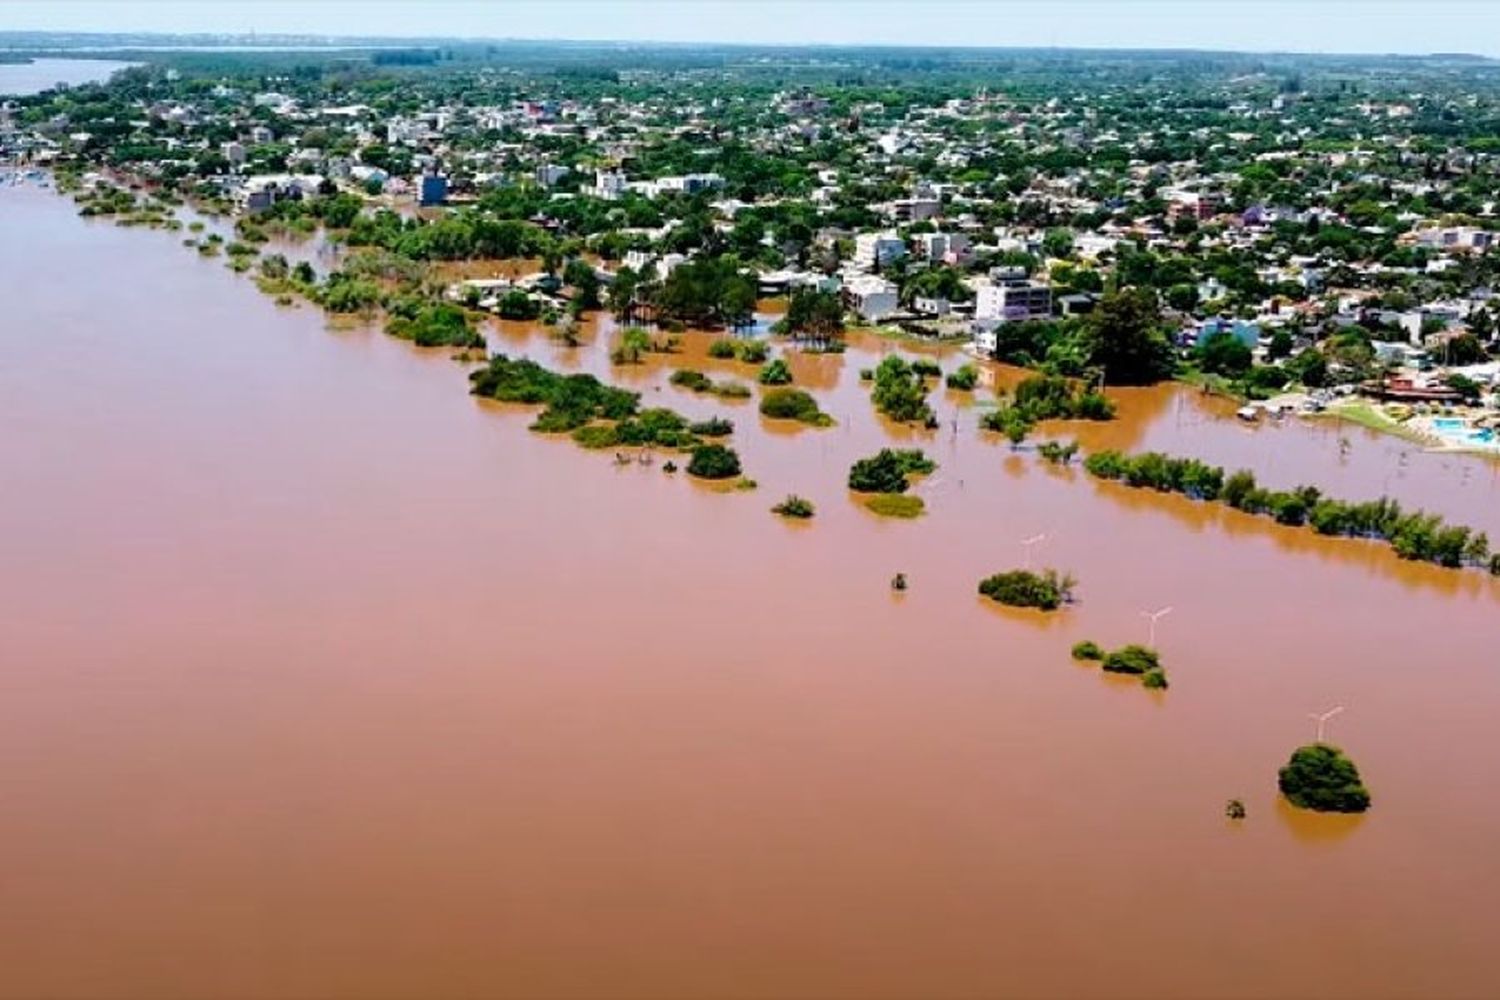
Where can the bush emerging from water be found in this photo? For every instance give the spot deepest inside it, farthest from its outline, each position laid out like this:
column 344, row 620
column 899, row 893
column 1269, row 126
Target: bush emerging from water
column 926, row 368
column 731, row 390
column 888, row 470
column 440, row 325
column 899, row 392
column 694, row 380
column 794, row 506
column 714, row 461
column 964, row 379
column 793, row 404
column 752, row 352
column 1321, row 777
column 896, row 505
column 1021, row 588
column 713, row 427
column 1132, row 659
column 1057, row 453
column 722, row 348
column 597, row 436
column 775, row 372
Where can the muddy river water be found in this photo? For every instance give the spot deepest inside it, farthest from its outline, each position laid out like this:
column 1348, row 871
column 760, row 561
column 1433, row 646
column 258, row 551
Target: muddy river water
column 319, row 678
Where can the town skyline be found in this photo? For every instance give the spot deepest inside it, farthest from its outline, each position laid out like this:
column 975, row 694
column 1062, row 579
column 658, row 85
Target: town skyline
column 1385, row 27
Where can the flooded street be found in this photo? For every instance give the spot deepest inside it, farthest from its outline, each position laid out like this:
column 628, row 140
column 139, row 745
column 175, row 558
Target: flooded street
column 319, row 677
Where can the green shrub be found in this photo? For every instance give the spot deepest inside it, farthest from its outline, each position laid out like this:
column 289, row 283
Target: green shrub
column 775, row 372
column 714, row 461
column 1155, row 679
column 1021, row 588
column 964, row 379
column 694, row 380
column 721, row 348
column 597, row 436
column 1087, row 650
column 1058, row 453
column 429, row 325
column 899, row 392
column 752, row 351
column 793, row 404
column 1132, row 659
column 1321, row 777
column 731, row 390
column 713, row 427
column 926, row 368
column 794, row 506
column 888, row 470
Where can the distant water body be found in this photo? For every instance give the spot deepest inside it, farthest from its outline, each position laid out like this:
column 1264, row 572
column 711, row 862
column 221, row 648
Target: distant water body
column 20, row 79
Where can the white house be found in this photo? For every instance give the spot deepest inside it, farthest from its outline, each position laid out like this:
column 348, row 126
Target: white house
column 871, row 296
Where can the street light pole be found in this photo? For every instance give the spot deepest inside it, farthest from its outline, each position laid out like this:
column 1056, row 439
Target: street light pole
column 1151, row 629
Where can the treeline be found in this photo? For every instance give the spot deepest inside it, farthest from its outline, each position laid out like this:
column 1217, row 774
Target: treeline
column 602, row 416
column 1046, row 397
column 1415, row 535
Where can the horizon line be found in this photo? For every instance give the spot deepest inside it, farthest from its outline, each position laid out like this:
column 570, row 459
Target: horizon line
column 270, row 40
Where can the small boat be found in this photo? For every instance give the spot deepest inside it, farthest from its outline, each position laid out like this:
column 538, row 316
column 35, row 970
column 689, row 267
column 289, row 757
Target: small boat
column 1250, row 414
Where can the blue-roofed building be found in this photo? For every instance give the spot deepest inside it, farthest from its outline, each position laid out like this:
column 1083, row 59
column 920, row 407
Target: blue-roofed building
column 433, row 190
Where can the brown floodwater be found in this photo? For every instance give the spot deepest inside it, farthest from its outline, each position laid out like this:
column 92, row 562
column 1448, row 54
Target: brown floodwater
column 319, row 678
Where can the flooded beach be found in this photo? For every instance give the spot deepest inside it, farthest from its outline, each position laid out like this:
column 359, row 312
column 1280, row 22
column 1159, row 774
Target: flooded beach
column 322, row 678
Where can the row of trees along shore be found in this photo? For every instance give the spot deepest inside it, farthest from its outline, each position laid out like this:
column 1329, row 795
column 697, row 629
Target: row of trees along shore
column 1415, row 535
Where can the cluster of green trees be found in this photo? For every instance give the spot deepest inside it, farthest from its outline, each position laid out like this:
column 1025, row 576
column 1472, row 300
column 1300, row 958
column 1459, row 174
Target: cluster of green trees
column 570, row 401
column 1136, row 660
column 1122, row 339
column 432, row 324
column 1323, row 778
column 714, row 461
column 463, row 235
column 655, row 427
column 703, row 292
column 1045, row 397
column 793, row 404
column 1022, row 588
column 813, row 315
column 900, row 392
column 1413, row 535
column 889, row 471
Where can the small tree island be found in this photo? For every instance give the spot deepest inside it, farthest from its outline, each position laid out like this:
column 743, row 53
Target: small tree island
column 887, row 475
column 1021, row 588
column 714, row 461
column 1321, row 777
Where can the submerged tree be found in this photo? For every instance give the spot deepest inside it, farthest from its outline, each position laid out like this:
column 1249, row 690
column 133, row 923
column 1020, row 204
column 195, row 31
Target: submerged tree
column 1321, row 777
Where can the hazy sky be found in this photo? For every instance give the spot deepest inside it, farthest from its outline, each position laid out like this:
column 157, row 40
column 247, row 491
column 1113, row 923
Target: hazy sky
column 1257, row 25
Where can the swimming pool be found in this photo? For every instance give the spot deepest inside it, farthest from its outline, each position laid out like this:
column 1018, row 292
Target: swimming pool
column 1457, row 430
